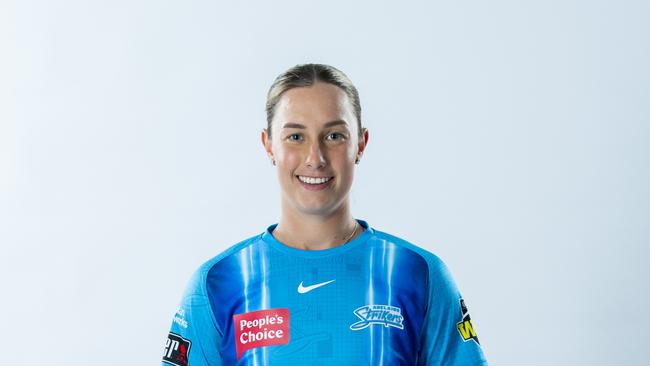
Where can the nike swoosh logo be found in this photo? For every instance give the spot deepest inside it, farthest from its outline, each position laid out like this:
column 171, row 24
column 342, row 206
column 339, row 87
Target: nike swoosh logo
column 305, row 289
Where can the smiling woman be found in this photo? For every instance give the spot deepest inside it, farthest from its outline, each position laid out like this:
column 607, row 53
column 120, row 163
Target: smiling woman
column 315, row 149
column 320, row 287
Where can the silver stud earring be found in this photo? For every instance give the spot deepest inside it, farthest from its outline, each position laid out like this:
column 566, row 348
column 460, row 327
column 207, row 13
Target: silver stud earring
column 356, row 161
column 273, row 161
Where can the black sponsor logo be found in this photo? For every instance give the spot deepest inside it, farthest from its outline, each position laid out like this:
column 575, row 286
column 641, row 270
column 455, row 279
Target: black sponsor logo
column 177, row 350
column 465, row 327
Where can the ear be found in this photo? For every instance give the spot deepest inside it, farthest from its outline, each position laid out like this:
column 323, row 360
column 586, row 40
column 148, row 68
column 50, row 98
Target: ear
column 266, row 143
column 363, row 142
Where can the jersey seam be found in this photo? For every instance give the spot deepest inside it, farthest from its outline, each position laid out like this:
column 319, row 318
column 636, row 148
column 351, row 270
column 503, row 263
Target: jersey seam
column 412, row 248
column 204, row 288
column 426, row 311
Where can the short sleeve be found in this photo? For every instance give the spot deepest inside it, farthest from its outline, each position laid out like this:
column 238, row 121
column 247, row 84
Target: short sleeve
column 193, row 338
column 448, row 336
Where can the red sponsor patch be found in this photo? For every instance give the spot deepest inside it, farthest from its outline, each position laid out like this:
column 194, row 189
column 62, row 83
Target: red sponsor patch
column 261, row 328
column 177, row 349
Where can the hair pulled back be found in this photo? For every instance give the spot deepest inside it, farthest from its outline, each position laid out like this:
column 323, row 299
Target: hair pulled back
column 306, row 75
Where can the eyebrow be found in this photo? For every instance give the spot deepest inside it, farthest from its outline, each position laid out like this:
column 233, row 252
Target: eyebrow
column 301, row 126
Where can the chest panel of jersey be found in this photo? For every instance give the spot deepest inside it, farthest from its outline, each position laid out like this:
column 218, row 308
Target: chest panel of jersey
column 376, row 272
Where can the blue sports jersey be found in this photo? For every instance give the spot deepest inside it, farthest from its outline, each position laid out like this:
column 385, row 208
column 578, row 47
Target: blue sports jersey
column 377, row 300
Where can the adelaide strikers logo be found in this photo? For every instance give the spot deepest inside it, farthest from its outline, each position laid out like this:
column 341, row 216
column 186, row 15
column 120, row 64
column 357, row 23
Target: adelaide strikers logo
column 389, row 316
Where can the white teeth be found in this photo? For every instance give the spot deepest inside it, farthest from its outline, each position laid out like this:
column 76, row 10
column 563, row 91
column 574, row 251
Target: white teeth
column 311, row 180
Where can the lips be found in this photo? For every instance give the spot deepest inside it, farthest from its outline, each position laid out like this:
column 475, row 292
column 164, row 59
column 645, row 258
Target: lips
column 314, row 183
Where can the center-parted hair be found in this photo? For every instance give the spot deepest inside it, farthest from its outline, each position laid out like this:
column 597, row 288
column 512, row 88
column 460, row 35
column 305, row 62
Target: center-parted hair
column 306, row 75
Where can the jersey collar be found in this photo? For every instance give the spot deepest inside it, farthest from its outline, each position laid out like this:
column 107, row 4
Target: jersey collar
column 268, row 237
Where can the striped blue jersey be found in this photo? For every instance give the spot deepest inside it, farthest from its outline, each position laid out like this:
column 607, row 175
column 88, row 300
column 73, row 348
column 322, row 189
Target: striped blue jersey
column 377, row 300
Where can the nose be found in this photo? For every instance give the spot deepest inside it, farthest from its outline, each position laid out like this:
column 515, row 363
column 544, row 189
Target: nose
column 315, row 157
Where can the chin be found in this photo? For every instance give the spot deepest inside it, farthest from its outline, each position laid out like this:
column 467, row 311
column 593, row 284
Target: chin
column 322, row 208
column 315, row 210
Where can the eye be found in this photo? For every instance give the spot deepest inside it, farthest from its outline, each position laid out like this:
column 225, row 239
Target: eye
column 335, row 136
column 294, row 137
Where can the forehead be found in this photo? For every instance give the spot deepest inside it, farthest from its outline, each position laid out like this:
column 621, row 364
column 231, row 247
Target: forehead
column 313, row 105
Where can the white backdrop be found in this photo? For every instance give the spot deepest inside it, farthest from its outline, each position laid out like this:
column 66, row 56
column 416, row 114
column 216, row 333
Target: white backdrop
column 510, row 138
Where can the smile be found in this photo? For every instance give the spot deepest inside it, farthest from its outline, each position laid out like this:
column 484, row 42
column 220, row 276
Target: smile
column 314, row 180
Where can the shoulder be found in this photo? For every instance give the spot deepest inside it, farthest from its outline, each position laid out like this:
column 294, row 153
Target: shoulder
column 229, row 252
column 441, row 285
column 198, row 279
column 434, row 262
column 423, row 261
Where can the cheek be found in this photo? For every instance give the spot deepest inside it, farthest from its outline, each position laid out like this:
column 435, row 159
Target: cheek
column 287, row 159
column 347, row 151
column 349, row 154
column 344, row 163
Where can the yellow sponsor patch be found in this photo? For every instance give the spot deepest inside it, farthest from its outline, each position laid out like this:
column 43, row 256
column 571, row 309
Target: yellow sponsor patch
column 465, row 327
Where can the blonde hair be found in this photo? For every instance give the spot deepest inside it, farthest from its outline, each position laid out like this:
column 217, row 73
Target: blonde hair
column 306, row 75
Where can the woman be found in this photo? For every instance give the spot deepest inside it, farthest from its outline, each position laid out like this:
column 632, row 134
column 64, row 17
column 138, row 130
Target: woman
column 320, row 287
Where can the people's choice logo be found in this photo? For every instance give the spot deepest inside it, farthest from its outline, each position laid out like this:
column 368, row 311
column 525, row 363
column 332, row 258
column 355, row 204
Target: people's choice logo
column 389, row 316
column 261, row 328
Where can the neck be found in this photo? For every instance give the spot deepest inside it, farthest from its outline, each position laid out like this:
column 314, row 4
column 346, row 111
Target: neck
column 316, row 232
